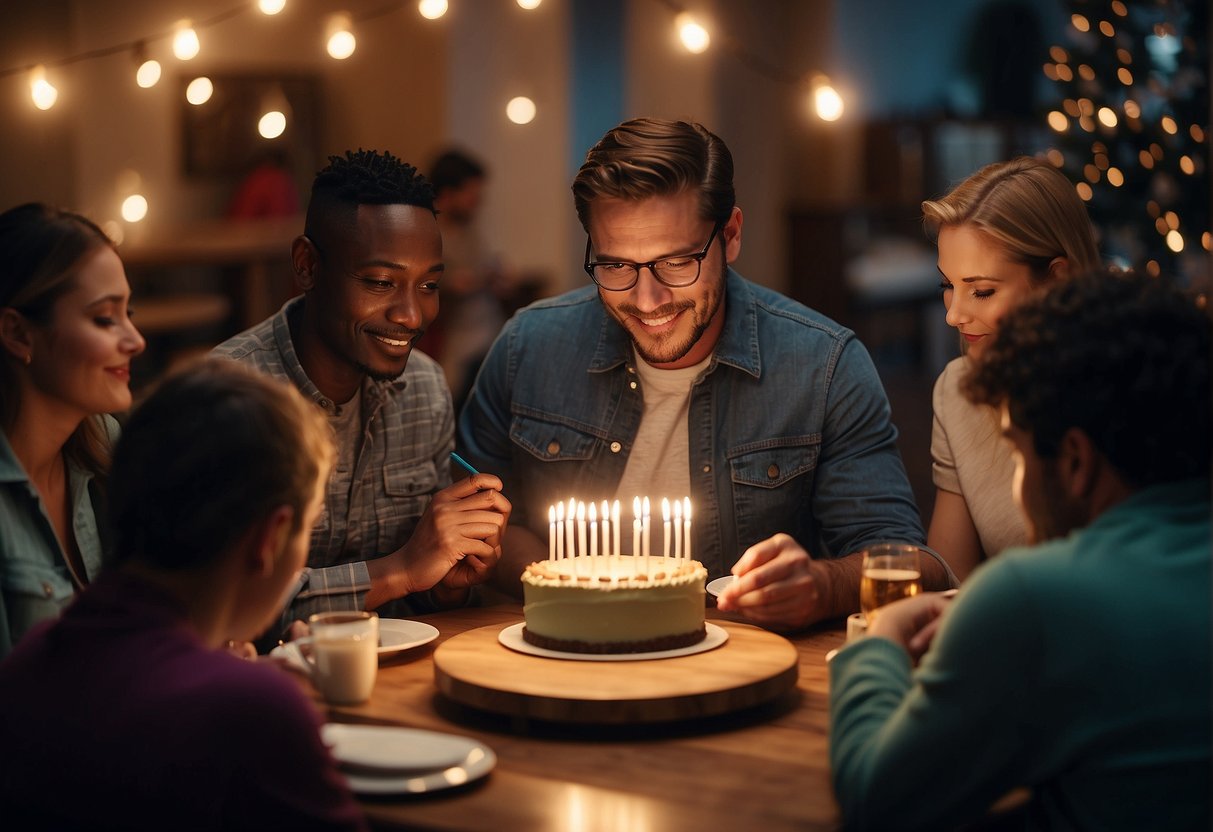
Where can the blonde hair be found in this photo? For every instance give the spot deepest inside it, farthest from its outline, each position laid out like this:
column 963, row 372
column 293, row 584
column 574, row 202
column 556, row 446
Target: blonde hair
column 1028, row 207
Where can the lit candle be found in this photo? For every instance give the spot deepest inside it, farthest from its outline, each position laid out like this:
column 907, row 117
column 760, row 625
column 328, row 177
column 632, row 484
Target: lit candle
column 677, row 530
column 581, row 550
column 686, row 522
column 644, row 521
column 569, row 549
column 551, row 532
column 593, row 532
column 615, row 526
column 559, row 531
column 636, row 528
column 665, row 525
column 606, row 529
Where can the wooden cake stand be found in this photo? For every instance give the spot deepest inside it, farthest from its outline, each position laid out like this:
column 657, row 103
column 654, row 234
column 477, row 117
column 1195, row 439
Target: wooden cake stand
column 752, row 667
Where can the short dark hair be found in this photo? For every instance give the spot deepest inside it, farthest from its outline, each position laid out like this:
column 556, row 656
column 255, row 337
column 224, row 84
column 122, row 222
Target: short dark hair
column 362, row 177
column 647, row 157
column 1120, row 356
column 452, row 168
column 216, row 448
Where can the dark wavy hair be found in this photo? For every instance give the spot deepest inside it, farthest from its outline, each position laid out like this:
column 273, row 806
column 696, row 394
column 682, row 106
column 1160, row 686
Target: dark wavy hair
column 362, row 177
column 1118, row 355
column 41, row 250
column 214, row 449
column 647, row 157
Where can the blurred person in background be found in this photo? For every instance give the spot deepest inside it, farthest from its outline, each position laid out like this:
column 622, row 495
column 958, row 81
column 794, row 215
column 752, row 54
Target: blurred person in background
column 66, row 344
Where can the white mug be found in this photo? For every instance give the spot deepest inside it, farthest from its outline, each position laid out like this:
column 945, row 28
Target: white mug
column 344, row 655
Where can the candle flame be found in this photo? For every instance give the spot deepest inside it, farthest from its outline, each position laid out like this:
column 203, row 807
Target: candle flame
column 593, row 513
column 665, row 509
column 560, row 512
column 580, row 512
column 645, row 506
column 615, row 512
column 636, row 507
column 686, row 508
column 551, row 514
column 677, row 511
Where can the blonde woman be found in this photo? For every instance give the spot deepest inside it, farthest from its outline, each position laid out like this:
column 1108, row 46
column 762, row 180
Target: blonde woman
column 66, row 344
column 1004, row 233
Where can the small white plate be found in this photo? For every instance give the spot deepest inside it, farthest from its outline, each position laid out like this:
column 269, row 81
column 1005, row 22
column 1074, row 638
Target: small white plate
column 379, row 759
column 714, row 588
column 396, row 634
column 511, row 637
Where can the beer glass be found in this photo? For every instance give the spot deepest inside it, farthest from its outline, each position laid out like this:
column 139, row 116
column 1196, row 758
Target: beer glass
column 891, row 571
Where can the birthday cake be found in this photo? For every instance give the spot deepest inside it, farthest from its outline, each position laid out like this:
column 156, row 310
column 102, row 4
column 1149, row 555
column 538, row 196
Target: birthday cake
column 614, row 604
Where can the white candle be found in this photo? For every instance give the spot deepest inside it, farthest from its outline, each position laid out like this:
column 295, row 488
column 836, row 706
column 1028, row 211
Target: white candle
column 551, row 532
column 644, row 522
column 593, row 531
column 606, row 529
column 581, row 550
column 677, row 530
column 686, row 522
column 615, row 526
column 559, row 531
column 636, row 529
column 569, row 550
column 665, row 525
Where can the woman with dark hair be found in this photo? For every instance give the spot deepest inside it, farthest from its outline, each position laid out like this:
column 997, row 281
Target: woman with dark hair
column 66, row 343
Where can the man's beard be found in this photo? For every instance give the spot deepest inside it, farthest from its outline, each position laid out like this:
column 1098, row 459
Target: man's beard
column 664, row 351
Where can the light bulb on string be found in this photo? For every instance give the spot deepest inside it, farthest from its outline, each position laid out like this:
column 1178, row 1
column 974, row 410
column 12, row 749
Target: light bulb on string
column 274, row 110
column 432, row 9
column 185, row 41
column 41, row 91
column 529, row 4
column 134, row 208
column 520, row 110
column 148, row 74
column 199, row 90
column 827, row 103
column 694, row 36
column 339, row 39
column 271, row 7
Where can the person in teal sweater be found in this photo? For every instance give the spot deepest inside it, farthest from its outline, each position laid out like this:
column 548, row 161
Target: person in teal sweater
column 1078, row 667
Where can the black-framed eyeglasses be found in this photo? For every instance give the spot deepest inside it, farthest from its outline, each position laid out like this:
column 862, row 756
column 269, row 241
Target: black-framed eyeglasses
column 677, row 272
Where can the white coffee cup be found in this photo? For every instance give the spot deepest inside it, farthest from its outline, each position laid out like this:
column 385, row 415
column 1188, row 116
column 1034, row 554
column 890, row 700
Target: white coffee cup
column 344, row 655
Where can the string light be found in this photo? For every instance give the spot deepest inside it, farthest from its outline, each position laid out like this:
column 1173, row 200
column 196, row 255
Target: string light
column 827, row 103
column 1107, row 117
column 185, row 42
column 1175, row 241
column 271, row 7
column 199, row 91
column 520, row 110
column 148, row 74
column 272, row 124
column 1080, row 23
column 1058, row 121
column 529, row 4
column 694, row 36
column 134, row 208
column 340, row 41
column 432, row 9
column 41, row 91
column 1169, row 125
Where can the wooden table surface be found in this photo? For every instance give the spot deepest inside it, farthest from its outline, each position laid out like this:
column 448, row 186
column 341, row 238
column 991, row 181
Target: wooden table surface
column 763, row 768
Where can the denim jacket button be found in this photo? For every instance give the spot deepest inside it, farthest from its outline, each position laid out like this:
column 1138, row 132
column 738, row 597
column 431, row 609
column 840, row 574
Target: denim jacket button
column 48, row 590
column 553, row 447
column 707, row 469
column 773, row 471
column 616, row 447
column 632, row 384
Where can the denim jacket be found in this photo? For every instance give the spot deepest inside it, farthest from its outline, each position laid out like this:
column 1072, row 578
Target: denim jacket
column 789, row 426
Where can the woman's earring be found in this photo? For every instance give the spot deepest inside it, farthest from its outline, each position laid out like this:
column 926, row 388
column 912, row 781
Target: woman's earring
column 29, row 358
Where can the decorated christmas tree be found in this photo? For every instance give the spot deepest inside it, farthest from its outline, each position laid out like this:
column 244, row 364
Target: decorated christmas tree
column 1132, row 124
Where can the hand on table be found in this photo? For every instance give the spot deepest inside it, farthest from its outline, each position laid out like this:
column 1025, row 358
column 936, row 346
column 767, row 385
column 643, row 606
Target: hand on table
column 777, row 584
column 911, row 623
column 456, row 543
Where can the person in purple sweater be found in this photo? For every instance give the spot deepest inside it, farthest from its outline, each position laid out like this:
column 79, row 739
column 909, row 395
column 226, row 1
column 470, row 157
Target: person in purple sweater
column 127, row 712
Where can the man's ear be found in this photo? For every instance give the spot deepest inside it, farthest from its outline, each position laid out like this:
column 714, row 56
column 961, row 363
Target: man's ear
column 269, row 539
column 16, row 334
column 1059, row 269
column 731, row 232
column 1078, row 463
column 304, row 257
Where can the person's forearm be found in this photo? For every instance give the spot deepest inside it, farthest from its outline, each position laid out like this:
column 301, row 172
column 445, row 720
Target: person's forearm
column 838, row 585
column 519, row 547
column 388, row 582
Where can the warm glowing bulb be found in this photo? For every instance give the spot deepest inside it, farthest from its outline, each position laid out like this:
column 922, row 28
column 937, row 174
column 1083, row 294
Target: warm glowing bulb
column 827, row 102
column 1107, row 117
column 529, row 4
column 432, row 9
column 1169, row 125
column 1175, row 241
column 271, row 7
column 272, row 124
column 1084, row 191
column 185, row 43
column 692, row 34
column 41, row 90
column 199, row 91
column 148, row 74
column 1058, row 121
column 342, row 44
column 134, row 208
column 520, row 110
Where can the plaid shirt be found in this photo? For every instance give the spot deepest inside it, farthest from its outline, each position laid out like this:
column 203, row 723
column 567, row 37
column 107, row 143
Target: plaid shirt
column 407, row 437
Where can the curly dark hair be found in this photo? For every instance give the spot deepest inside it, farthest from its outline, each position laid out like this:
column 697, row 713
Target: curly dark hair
column 363, row 177
column 1120, row 356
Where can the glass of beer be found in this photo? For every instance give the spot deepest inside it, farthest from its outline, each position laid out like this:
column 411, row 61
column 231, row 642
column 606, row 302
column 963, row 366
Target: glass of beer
column 891, row 571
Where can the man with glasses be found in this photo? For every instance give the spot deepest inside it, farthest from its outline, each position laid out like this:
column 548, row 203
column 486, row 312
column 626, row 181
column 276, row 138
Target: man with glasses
column 393, row 526
column 674, row 376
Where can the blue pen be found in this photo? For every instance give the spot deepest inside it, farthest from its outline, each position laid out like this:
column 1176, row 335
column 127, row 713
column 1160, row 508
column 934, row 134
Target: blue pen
column 463, row 463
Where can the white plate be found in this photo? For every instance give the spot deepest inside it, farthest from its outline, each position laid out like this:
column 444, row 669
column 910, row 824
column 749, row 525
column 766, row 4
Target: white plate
column 386, row 760
column 717, row 586
column 511, row 637
column 396, row 634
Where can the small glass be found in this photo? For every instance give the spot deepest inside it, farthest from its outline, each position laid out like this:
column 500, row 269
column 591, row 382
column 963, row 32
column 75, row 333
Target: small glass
column 891, row 571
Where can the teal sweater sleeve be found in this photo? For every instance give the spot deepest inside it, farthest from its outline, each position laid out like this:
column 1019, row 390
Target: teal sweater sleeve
column 931, row 748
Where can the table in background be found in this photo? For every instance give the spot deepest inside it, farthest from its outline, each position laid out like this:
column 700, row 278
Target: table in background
column 763, row 768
